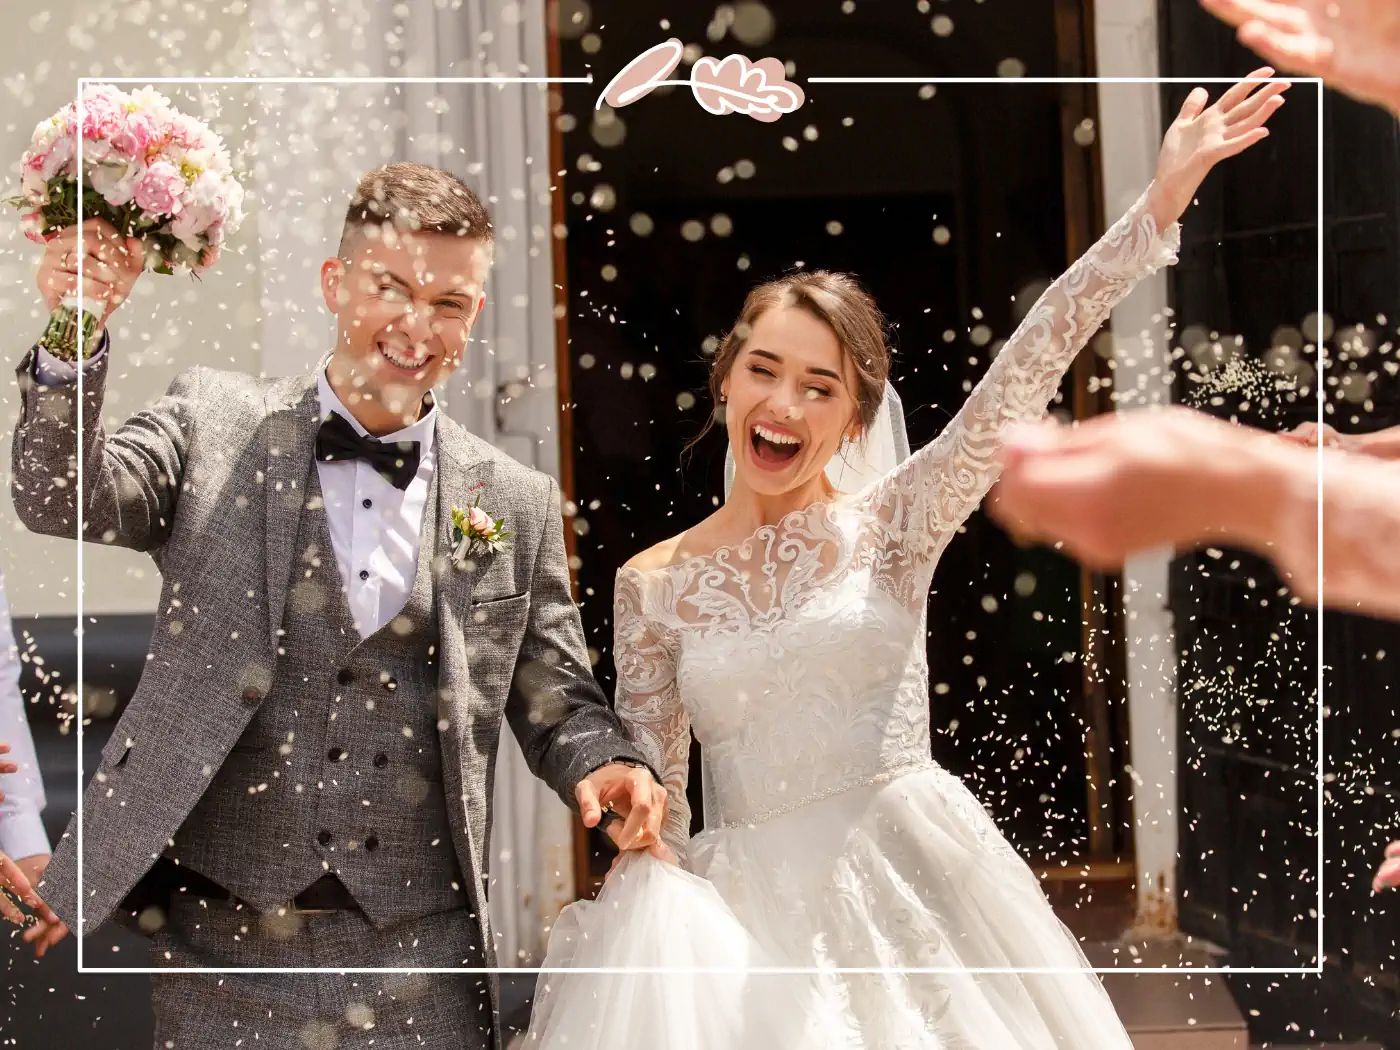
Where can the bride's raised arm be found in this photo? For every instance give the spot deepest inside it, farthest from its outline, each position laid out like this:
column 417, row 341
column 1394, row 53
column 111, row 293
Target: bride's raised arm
column 649, row 703
column 938, row 487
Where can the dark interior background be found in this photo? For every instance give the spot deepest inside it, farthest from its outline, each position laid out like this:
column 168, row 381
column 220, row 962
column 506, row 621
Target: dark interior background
column 890, row 166
column 1248, row 660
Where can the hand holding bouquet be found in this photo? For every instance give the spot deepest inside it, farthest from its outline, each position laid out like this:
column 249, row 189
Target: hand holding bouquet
column 158, row 193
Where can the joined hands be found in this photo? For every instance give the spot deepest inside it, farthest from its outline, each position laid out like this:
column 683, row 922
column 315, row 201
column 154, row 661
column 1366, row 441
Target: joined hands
column 636, row 804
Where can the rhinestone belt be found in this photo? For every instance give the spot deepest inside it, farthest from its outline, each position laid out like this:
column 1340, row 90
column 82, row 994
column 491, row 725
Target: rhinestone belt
column 869, row 781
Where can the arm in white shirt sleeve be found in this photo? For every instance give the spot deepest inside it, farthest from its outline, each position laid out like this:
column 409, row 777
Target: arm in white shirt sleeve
column 21, row 828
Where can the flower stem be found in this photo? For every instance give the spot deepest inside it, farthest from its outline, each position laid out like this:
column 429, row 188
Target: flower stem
column 66, row 325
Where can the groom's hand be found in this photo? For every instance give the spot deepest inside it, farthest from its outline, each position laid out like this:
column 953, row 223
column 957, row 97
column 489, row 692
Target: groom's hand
column 633, row 794
column 111, row 265
column 660, row 851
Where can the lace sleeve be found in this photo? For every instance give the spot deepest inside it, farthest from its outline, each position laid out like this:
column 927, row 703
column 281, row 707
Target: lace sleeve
column 936, row 489
column 649, row 703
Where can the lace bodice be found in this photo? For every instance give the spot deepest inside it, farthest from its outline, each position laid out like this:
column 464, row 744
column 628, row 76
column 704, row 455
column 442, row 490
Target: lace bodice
column 797, row 657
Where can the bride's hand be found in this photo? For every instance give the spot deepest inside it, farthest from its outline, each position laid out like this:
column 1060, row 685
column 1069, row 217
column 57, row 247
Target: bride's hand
column 1202, row 136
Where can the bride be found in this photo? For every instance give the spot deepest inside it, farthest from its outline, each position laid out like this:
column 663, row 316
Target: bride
column 787, row 631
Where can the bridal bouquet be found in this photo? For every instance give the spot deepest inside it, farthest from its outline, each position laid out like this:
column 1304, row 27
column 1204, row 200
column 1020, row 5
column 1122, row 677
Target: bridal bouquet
column 151, row 171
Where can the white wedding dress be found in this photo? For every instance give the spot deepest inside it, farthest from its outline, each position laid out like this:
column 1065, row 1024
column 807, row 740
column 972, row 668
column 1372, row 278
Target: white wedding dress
column 834, row 841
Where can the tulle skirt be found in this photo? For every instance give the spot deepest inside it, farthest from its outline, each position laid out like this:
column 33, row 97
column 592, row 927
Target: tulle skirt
column 910, row 874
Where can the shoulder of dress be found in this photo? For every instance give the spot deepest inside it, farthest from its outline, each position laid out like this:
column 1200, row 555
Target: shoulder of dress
column 657, row 557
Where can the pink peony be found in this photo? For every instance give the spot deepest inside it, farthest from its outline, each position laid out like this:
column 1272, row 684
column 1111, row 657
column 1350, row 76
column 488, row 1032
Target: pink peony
column 32, row 223
column 190, row 225
column 32, row 184
column 136, row 134
column 189, row 133
column 117, row 180
column 53, row 161
column 103, row 113
column 159, row 192
column 480, row 521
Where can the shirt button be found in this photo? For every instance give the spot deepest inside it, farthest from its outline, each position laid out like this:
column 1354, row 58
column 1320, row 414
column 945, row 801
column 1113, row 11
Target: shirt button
column 367, row 503
column 337, row 754
column 345, row 676
column 372, row 843
column 391, row 683
column 381, row 760
column 364, row 574
column 324, row 838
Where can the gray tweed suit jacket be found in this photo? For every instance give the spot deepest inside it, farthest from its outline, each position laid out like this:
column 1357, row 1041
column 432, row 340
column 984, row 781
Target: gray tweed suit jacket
column 210, row 481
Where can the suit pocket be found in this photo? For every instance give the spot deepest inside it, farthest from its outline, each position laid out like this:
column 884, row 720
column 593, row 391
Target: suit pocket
column 494, row 628
column 491, row 604
column 118, row 747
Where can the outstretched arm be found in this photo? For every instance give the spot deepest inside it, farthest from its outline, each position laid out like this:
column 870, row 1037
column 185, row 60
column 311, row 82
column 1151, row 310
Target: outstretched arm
column 1379, row 444
column 1354, row 45
column 22, row 797
column 131, row 477
column 934, row 491
column 1139, row 480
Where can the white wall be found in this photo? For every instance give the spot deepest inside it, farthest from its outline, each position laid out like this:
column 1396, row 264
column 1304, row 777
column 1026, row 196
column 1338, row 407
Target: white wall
column 1130, row 129
column 302, row 147
column 170, row 322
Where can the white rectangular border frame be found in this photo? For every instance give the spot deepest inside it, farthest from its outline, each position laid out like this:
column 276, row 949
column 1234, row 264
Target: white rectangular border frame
column 1322, row 363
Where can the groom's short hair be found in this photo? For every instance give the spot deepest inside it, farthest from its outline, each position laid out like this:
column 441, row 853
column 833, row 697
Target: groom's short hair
column 415, row 197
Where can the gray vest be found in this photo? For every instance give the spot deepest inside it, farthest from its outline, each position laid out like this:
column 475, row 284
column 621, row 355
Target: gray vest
column 339, row 770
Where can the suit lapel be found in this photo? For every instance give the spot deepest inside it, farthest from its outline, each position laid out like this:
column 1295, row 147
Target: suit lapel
column 458, row 471
column 293, row 416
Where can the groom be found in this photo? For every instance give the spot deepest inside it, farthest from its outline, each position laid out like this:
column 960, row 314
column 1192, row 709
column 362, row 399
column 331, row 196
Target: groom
column 303, row 776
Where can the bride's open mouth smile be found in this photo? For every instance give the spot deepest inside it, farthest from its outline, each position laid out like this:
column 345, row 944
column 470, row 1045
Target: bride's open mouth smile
column 773, row 448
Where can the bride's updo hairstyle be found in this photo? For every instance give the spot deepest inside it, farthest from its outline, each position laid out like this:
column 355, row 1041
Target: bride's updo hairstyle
column 838, row 300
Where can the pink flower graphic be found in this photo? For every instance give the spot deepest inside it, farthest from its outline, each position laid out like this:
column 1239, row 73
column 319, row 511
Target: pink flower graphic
column 736, row 85
column 722, row 86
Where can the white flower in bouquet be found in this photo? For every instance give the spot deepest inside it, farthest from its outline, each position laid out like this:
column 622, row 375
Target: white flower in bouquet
column 151, row 171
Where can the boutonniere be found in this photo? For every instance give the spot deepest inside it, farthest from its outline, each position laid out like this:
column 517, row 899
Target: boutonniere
column 475, row 533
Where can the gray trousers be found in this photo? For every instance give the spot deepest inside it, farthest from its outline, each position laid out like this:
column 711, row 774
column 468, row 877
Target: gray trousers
column 315, row 1011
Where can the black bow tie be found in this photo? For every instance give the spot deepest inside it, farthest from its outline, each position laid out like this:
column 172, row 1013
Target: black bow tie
column 339, row 442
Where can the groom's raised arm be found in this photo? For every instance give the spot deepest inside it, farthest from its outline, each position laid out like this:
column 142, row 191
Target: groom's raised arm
column 131, row 478
column 556, row 709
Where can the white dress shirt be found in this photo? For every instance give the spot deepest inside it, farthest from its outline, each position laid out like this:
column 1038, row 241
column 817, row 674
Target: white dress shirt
column 375, row 528
column 21, row 828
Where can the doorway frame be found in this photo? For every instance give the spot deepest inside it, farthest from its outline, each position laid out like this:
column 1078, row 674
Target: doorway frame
column 1103, row 663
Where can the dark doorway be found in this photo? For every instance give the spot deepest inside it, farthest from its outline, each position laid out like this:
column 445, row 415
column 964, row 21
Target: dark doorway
column 950, row 206
column 1248, row 657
